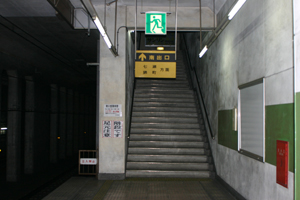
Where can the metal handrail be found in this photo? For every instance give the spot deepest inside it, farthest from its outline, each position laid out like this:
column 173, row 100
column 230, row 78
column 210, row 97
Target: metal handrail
column 198, row 87
column 131, row 109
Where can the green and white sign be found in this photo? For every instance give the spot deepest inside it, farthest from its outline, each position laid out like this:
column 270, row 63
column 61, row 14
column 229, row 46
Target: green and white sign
column 156, row 23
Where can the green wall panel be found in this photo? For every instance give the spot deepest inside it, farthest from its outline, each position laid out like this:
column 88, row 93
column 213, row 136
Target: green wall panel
column 226, row 136
column 297, row 146
column 279, row 126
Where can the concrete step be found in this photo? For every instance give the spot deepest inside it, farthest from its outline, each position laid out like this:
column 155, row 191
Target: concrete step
column 181, row 75
column 155, row 137
column 181, row 72
column 164, row 119
column 157, row 81
column 167, row 144
column 164, row 104
column 164, row 91
column 158, row 89
column 166, row 131
column 167, row 151
column 163, row 85
column 163, row 114
column 160, row 95
column 171, row 100
column 168, row 174
column 168, row 166
column 168, row 158
column 163, row 109
column 165, row 125
column 181, row 78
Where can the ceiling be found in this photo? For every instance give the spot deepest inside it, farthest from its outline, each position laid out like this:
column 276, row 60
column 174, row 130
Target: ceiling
column 38, row 42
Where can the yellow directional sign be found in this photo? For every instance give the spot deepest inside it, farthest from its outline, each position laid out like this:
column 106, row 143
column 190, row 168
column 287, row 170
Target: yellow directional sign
column 142, row 57
column 155, row 64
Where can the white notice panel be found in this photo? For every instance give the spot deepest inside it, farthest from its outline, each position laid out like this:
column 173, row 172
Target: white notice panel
column 88, row 161
column 112, row 110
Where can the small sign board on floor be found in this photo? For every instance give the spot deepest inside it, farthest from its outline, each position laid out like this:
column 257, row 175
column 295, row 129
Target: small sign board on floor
column 88, row 161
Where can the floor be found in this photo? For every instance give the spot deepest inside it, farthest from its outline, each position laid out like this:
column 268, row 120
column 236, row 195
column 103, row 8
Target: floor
column 140, row 188
column 29, row 185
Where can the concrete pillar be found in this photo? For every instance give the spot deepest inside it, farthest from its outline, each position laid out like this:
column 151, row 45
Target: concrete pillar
column 29, row 126
column 62, row 123
column 13, row 163
column 76, row 123
column 70, row 128
column 112, row 90
column 53, row 123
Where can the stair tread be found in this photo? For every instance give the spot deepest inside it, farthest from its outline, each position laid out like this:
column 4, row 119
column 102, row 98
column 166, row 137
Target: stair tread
column 167, row 174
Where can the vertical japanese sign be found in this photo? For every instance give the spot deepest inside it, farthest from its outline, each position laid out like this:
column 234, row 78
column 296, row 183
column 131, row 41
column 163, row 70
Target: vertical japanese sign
column 112, row 129
column 118, row 129
column 106, row 129
column 155, row 64
column 156, row 23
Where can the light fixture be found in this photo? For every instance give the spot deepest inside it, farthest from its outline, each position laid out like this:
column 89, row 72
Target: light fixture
column 160, row 48
column 102, row 32
column 99, row 26
column 4, row 128
column 93, row 14
column 58, row 138
column 203, row 51
column 236, row 8
column 107, row 41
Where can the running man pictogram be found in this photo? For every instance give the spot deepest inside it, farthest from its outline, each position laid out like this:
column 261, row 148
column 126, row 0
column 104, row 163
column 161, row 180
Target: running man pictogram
column 156, row 22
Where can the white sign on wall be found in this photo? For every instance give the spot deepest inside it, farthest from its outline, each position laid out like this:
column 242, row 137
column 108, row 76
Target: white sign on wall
column 88, row 161
column 112, row 110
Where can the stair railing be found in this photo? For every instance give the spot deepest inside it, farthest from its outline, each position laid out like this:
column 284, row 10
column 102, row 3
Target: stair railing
column 196, row 85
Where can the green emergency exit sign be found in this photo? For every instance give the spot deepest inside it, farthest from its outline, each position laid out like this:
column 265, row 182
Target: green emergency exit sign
column 156, row 23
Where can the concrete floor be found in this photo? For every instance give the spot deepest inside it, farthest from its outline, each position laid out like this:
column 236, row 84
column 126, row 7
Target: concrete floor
column 173, row 189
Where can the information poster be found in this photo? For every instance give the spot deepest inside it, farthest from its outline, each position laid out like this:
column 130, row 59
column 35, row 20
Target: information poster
column 112, row 110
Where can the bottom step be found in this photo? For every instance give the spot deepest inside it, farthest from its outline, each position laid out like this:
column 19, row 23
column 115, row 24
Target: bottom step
column 168, row 174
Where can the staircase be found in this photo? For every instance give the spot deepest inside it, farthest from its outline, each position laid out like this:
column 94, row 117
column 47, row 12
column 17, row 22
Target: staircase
column 167, row 137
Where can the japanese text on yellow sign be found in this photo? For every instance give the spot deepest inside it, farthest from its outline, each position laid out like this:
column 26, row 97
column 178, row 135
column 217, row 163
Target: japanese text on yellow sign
column 155, row 64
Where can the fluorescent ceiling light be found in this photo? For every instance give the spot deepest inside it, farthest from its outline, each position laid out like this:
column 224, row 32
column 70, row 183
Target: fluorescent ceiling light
column 236, row 8
column 99, row 26
column 4, row 128
column 107, row 41
column 102, row 32
column 203, row 51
